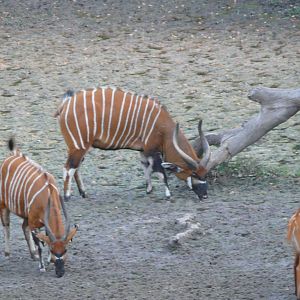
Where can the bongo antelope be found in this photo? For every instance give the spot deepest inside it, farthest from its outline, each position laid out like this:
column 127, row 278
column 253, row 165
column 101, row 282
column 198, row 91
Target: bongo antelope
column 293, row 236
column 31, row 193
column 110, row 118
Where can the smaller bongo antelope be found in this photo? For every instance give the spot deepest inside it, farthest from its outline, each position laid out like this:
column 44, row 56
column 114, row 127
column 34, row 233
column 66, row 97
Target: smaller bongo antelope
column 31, row 193
column 110, row 118
column 293, row 236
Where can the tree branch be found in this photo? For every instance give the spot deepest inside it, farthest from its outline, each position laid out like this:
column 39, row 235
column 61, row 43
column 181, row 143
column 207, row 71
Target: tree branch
column 277, row 106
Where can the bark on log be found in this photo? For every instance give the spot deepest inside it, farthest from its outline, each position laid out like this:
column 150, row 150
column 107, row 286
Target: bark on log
column 277, row 106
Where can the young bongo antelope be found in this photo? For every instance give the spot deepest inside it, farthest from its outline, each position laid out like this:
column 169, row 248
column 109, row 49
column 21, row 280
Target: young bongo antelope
column 109, row 118
column 293, row 236
column 31, row 193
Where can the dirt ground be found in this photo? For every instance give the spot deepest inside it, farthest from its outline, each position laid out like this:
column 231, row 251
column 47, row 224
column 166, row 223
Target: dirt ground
column 200, row 58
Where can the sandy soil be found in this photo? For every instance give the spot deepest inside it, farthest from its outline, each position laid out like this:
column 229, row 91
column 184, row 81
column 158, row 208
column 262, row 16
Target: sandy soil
column 200, row 58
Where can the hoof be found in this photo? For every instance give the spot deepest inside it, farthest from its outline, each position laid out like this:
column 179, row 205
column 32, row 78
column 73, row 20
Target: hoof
column 35, row 257
column 67, row 198
column 43, row 270
column 83, row 194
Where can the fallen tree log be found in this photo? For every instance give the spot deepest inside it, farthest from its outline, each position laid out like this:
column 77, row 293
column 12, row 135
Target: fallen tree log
column 277, row 106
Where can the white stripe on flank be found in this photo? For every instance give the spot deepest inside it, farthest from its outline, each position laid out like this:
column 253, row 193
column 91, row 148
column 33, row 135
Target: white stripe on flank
column 25, row 189
column 1, row 181
column 153, row 125
column 103, row 111
column 86, row 116
column 11, row 187
column 119, row 123
column 149, row 116
column 110, row 114
column 136, row 121
column 76, row 121
column 15, row 185
column 30, row 188
column 126, row 122
column 94, row 112
column 143, row 120
column 34, row 196
column 66, row 123
column 6, row 178
column 27, row 170
column 132, row 121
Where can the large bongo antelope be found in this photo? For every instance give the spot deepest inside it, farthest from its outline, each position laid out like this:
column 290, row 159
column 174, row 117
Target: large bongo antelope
column 31, row 193
column 109, row 118
column 293, row 236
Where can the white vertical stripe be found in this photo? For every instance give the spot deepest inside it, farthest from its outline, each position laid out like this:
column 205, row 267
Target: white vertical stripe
column 126, row 122
column 94, row 112
column 103, row 112
column 25, row 189
column 25, row 175
column 66, row 123
column 143, row 120
column 149, row 116
column 120, row 120
column 110, row 114
column 76, row 121
column 132, row 121
column 153, row 125
column 1, row 181
column 6, row 178
column 135, row 118
column 34, row 196
column 86, row 117
column 31, row 186
column 14, row 184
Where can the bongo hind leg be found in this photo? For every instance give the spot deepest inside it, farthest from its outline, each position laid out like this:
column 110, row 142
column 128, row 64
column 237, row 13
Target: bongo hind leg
column 5, row 219
column 71, row 166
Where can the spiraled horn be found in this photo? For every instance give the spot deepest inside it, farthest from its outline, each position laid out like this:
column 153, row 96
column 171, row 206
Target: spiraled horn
column 187, row 159
column 68, row 225
column 46, row 223
column 205, row 146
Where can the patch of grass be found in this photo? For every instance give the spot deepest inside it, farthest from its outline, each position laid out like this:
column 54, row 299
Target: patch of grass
column 293, row 11
column 245, row 169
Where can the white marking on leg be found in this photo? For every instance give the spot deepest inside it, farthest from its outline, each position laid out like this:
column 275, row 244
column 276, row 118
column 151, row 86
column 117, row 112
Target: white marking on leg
column 76, row 121
column 119, row 122
column 65, row 173
column 189, row 182
column 86, row 117
column 67, row 126
column 94, row 113
column 71, row 173
column 126, row 122
column 110, row 115
column 167, row 192
column 147, row 170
